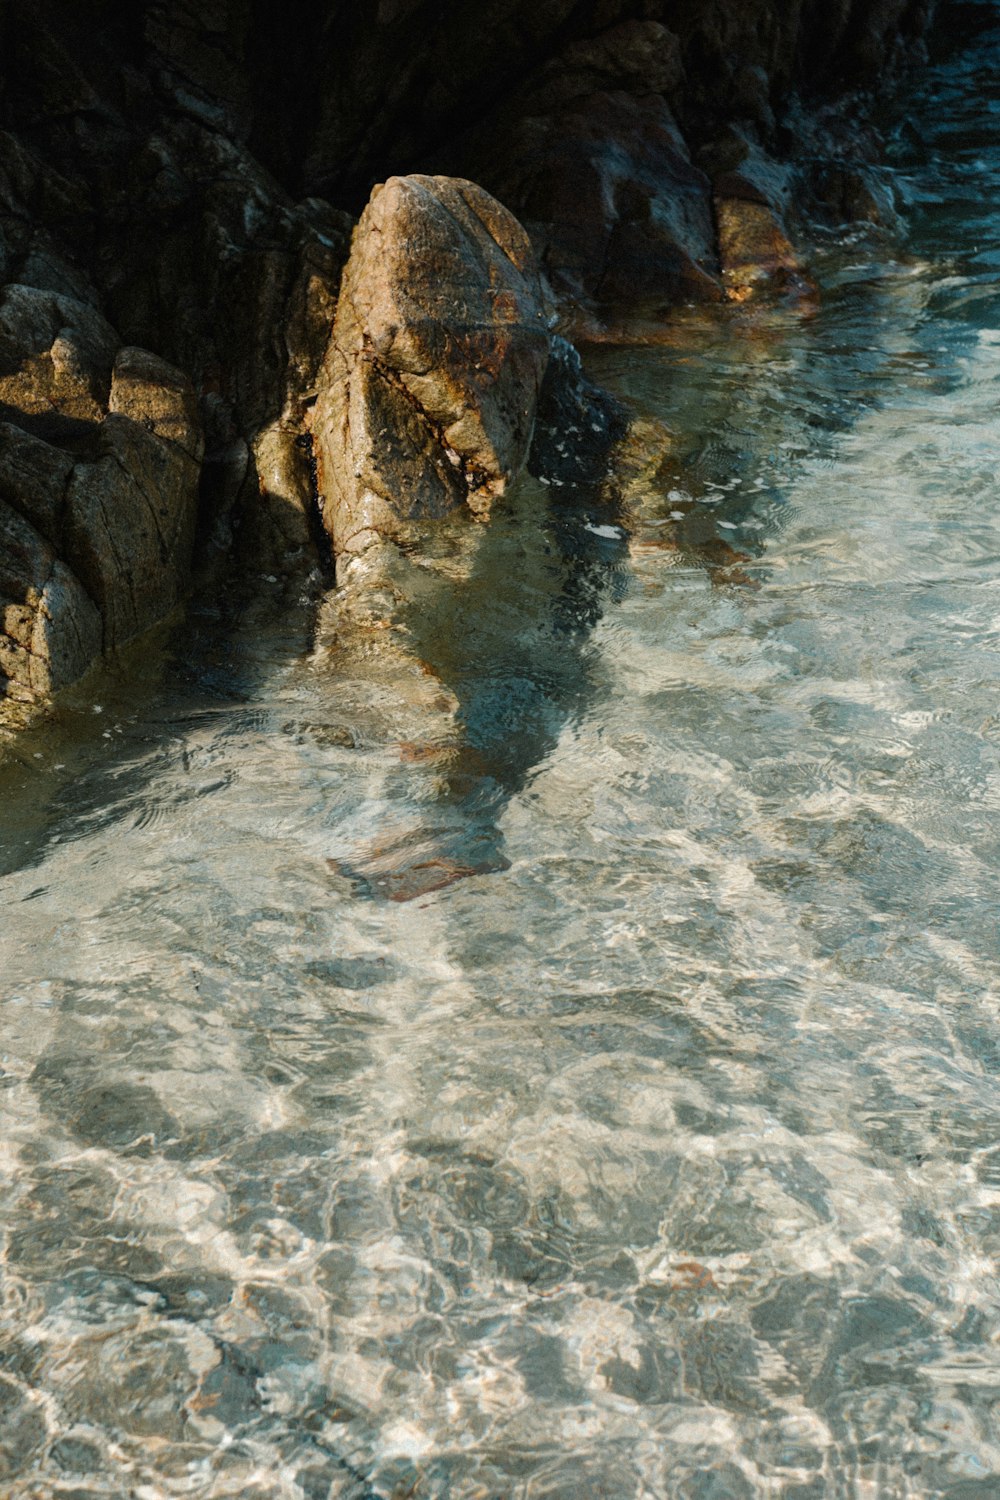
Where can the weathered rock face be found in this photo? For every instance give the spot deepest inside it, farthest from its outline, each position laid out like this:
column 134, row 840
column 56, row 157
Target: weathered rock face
column 133, row 218
column 100, row 453
column 429, row 388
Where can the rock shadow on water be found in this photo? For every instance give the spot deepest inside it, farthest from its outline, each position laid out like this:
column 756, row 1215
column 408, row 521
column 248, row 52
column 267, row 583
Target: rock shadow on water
column 488, row 641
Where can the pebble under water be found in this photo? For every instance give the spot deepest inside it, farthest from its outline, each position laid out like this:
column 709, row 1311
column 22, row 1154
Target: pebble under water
column 663, row 1162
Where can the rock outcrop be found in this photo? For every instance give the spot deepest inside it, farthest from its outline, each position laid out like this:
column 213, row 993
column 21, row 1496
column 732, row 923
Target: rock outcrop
column 183, row 179
column 100, row 454
column 429, row 388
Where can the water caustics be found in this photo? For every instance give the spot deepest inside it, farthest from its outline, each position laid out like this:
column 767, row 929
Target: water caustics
column 660, row 1159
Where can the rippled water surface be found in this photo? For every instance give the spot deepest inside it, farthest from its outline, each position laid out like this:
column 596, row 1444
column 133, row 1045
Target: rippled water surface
column 664, row 1162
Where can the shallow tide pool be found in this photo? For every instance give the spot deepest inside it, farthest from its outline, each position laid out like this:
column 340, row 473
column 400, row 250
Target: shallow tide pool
column 661, row 1161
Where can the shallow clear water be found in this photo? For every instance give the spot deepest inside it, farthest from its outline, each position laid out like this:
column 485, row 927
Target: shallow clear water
column 664, row 1162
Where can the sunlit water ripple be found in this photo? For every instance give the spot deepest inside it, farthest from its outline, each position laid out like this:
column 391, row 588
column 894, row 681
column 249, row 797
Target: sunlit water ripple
column 664, row 1163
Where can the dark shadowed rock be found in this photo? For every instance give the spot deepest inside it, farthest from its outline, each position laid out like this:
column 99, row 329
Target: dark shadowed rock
column 619, row 214
column 429, row 387
column 578, row 425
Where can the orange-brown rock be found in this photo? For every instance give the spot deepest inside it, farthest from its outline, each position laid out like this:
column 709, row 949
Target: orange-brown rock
column 429, row 387
column 754, row 249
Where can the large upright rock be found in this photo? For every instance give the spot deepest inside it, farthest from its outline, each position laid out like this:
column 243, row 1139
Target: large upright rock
column 430, row 383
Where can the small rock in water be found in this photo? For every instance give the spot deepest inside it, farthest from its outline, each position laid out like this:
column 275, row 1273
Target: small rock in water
column 421, row 878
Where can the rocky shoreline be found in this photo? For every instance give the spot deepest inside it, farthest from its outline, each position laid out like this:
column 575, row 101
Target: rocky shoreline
column 207, row 369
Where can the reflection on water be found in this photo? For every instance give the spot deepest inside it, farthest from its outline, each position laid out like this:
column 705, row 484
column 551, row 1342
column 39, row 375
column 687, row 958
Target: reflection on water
column 664, row 1163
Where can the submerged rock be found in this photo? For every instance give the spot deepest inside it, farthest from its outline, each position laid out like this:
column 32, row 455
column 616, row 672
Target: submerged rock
column 754, row 249
column 429, row 387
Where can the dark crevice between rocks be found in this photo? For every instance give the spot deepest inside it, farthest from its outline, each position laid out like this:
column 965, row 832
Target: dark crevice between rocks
column 317, row 531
